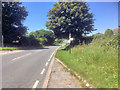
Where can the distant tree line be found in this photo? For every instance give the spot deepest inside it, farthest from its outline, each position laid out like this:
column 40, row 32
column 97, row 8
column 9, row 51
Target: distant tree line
column 108, row 39
column 111, row 39
column 43, row 36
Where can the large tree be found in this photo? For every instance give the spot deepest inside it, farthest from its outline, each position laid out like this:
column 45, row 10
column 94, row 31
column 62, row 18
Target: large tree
column 70, row 17
column 44, row 36
column 13, row 14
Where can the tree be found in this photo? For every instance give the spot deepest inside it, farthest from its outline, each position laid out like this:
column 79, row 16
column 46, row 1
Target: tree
column 45, row 37
column 108, row 33
column 58, row 41
column 70, row 17
column 33, row 41
column 13, row 14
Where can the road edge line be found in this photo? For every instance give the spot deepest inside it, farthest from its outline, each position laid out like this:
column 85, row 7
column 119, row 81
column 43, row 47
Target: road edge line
column 35, row 84
column 43, row 70
column 47, row 77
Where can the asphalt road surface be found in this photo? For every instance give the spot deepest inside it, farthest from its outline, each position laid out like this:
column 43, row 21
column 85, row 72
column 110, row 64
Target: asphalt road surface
column 26, row 69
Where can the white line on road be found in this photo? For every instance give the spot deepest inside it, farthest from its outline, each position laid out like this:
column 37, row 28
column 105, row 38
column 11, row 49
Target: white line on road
column 49, row 60
column 46, row 63
column 51, row 55
column 35, row 84
column 43, row 71
column 21, row 56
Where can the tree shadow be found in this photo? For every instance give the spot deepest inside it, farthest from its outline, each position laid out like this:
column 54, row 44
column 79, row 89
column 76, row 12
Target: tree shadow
column 32, row 48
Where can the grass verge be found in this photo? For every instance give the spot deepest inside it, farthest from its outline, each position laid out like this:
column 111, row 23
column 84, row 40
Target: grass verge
column 9, row 48
column 17, row 48
column 98, row 65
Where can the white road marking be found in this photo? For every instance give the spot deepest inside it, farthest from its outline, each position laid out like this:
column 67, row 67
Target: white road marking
column 51, row 55
column 46, row 63
column 35, row 84
column 21, row 56
column 43, row 71
column 49, row 60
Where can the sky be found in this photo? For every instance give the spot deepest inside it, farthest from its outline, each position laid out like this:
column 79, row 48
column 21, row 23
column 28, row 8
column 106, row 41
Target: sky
column 106, row 15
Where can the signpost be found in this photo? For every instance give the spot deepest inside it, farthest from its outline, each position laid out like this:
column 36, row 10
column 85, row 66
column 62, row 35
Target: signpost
column 69, row 41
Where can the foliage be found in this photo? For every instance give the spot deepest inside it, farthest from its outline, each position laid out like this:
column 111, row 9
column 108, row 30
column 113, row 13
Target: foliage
column 106, row 39
column 70, row 17
column 58, row 41
column 93, row 63
column 42, row 40
column 13, row 14
column 98, row 58
column 108, row 33
column 98, row 36
column 86, row 40
column 29, row 41
column 45, row 37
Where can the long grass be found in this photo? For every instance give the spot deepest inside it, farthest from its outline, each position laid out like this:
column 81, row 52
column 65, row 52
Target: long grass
column 9, row 48
column 95, row 63
column 19, row 48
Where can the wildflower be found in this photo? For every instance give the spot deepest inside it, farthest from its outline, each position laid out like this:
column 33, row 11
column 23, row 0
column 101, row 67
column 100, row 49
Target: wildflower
column 87, row 85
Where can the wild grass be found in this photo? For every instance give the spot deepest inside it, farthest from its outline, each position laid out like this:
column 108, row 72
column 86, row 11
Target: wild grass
column 19, row 48
column 9, row 48
column 96, row 62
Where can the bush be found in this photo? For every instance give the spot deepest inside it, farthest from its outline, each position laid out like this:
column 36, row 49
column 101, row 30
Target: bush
column 58, row 41
column 108, row 33
column 99, row 58
column 45, row 37
column 42, row 41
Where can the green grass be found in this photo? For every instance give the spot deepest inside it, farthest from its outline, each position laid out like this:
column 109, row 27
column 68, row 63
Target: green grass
column 95, row 63
column 9, row 48
column 18, row 48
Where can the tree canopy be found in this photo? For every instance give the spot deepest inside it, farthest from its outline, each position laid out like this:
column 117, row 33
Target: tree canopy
column 45, row 37
column 108, row 33
column 13, row 14
column 70, row 17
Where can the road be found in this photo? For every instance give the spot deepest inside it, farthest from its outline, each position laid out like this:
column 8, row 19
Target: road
column 26, row 69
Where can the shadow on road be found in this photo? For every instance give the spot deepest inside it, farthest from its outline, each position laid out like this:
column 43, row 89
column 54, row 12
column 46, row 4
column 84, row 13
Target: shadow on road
column 26, row 48
column 33, row 48
column 39, row 48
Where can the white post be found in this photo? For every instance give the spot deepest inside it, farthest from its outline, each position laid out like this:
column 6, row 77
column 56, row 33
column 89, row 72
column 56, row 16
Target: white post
column 69, row 36
column 69, row 42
